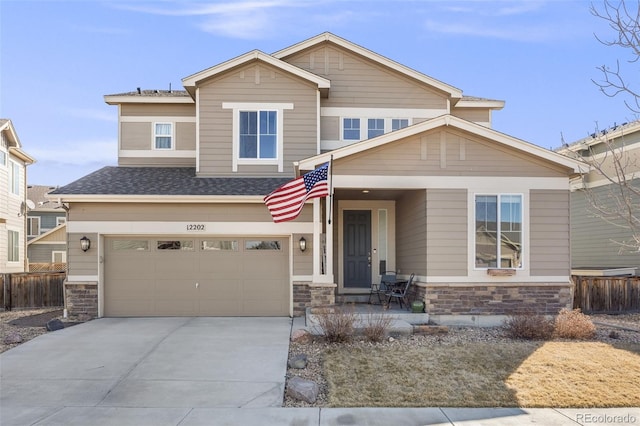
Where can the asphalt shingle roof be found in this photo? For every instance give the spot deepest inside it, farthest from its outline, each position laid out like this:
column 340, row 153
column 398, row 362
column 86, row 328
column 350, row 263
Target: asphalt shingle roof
column 165, row 181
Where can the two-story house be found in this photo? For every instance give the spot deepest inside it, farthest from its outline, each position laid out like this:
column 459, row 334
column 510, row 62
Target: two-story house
column 46, row 230
column 420, row 183
column 13, row 200
column 602, row 240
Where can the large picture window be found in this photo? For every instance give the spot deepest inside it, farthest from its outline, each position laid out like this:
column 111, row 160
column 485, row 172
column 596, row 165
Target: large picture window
column 258, row 134
column 499, row 238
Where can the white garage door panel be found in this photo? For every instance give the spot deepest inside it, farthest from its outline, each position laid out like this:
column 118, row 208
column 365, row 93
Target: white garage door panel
column 142, row 280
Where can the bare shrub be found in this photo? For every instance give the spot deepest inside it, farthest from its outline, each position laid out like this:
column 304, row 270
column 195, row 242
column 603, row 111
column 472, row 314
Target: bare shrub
column 573, row 324
column 376, row 327
column 336, row 323
column 529, row 326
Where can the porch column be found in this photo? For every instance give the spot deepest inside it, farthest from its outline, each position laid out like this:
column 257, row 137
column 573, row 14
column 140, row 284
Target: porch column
column 318, row 276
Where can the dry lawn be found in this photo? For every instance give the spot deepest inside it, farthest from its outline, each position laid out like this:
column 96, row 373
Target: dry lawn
column 478, row 374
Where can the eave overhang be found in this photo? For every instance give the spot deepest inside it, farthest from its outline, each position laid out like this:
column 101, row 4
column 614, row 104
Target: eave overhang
column 136, row 99
column 132, row 198
column 482, row 103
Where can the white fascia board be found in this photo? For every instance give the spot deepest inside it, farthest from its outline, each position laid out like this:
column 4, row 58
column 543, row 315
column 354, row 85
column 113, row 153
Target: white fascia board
column 444, row 120
column 600, row 138
column 134, row 99
column 117, row 198
column 20, row 154
column 483, row 103
column 454, row 92
column 193, row 79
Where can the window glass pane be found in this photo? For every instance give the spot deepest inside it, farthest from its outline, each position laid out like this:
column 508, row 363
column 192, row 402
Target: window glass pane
column 511, row 231
column 175, row 245
column 248, row 134
column 219, row 245
column 268, row 146
column 15, row 178
column 262, row 245
column 382, row 238
column 163, row 129
column 351, row 128
column 138, row 245
column 268, row 134
column 14, row 246
column 486, row 227
column 399, row 123
column 376, row 127
column 3, row 158
column 163, row 142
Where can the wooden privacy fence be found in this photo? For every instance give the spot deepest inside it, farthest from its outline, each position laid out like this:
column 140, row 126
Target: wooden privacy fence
column 606, row 294
column 31, row 290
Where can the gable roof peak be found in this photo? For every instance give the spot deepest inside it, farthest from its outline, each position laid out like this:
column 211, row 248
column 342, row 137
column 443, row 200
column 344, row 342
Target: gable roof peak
column 452, row 91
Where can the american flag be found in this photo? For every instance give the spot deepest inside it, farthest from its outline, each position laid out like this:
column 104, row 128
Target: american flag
column 286, row 202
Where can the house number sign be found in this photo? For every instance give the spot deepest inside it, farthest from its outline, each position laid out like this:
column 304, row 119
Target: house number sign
column 196, row 227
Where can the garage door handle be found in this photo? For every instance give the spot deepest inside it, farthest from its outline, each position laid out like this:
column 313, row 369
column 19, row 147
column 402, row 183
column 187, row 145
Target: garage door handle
column 197, row 285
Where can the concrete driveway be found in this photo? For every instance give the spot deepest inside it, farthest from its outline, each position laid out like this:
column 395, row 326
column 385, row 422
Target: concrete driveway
column 155, row 369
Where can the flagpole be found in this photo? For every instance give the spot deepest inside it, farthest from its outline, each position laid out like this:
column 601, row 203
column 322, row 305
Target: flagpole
column 330, row 188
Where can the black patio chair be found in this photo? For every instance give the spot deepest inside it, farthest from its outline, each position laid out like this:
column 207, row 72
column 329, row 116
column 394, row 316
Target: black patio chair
column 400, row 292
column 385, row 285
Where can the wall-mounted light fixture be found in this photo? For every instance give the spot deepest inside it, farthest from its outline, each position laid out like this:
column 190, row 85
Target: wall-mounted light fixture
column 303, row 244
column 85, row 243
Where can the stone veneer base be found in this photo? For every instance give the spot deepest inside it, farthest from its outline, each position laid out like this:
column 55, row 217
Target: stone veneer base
column 81, row 300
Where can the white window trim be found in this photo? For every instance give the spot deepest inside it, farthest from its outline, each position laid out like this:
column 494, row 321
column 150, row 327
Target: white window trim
column 31, row 219
column 172, row 135
column 236, row 107
column 472, row 229
column 11, row 178
column 13, row 262
column 62, row 253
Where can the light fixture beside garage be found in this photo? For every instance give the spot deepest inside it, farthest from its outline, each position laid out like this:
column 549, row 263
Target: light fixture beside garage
column 303, row 244
column 85, row 243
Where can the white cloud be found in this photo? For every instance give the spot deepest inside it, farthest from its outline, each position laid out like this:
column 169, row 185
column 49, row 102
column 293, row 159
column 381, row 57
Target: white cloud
column 520, row 33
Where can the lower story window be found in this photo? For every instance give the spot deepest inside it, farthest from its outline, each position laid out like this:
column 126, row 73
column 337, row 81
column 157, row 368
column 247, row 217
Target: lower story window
column 499, row 238
column 14, row 246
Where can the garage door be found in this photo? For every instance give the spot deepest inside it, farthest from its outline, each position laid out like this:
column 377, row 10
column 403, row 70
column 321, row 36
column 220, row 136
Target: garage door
column 177, row 276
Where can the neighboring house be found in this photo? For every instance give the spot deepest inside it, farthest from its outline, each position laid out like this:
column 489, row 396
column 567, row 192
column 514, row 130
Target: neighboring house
column 46, row 230
column 13, row 200
column 422, row 184
column 596, row 247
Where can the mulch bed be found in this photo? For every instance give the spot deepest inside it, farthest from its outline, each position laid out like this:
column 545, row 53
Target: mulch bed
column 39, row 320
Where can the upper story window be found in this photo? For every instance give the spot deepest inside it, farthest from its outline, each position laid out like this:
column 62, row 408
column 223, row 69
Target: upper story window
column 351, row 129
column 258, row 130
column 3, row 158
column 258, row 134
column 33, row 226
column 14, row 178
column 163, row 136
column 399, row 123
column 498, row 233
column 375, row 127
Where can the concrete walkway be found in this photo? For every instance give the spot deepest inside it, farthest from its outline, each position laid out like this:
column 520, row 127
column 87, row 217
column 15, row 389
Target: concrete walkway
column 202, row 371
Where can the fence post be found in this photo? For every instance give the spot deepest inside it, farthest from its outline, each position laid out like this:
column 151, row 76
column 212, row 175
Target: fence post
column 7, row 292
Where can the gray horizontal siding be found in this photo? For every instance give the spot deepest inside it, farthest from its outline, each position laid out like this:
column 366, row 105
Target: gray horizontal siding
column 411, row 233
column 549, row 232
column 447, row 236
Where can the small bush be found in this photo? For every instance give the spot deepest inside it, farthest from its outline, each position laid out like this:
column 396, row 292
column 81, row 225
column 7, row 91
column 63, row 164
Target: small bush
column 574, row 325
column 376, row 327
column 336, row 322
column 529, row 326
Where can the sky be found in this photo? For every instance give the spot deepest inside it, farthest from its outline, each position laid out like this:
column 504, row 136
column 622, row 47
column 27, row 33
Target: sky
column 58, row 59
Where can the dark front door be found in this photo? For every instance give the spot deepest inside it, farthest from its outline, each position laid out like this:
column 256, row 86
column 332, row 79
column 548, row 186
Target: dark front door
column 357, row 248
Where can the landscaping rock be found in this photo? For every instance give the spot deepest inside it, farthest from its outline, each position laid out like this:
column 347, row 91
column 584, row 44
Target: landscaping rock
column 12, row 338
column 426, row 330
column 304, row 390
column 301, row 336
column 55, row 324
column 298, row 361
